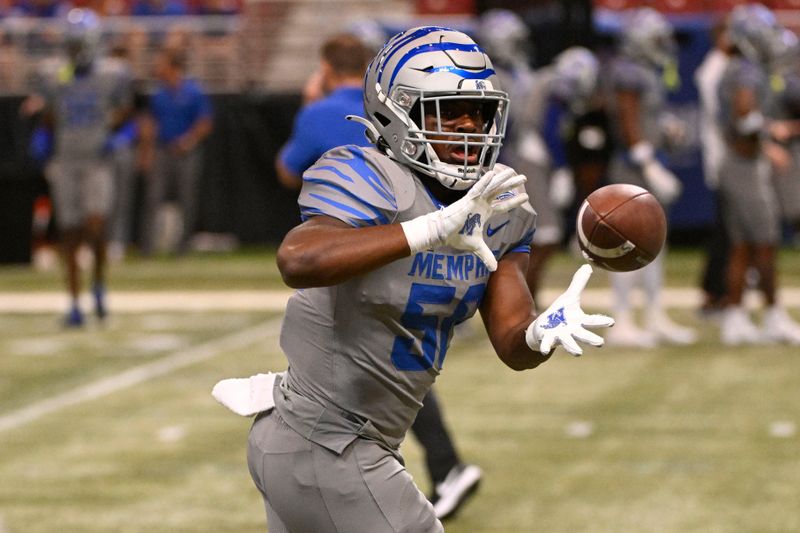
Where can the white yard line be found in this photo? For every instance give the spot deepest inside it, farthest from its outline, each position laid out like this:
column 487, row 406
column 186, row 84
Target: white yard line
column 141, row 374
column 146, row 301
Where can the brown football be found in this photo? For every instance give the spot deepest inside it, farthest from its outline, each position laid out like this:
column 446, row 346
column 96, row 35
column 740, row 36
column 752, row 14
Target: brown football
column 621, row 227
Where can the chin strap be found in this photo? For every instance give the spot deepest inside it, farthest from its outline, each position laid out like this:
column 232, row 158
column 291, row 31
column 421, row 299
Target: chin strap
column 371, row 133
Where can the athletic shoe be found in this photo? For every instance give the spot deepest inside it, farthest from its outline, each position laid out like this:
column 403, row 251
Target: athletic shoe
column 460, row 483
column 625, row 334
column 74, row 318
column 737, row 328
column 664, row 329
column 779, row 326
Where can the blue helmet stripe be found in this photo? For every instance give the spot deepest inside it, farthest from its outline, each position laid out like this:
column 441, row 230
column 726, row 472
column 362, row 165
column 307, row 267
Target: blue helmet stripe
column 402, row 41
column 467, row 74
column 432, row 47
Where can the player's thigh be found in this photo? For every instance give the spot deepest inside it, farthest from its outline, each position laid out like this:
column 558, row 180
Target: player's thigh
column 310, row 488
column 98, row 187
column 65, row 191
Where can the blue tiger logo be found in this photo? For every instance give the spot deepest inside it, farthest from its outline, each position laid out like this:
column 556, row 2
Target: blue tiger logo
column 473, row 221
column 555, row 319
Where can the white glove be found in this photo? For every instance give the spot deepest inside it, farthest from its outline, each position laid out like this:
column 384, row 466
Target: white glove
column 562, row 187
column 564, row 322
column 664, row 185
column 460, row 225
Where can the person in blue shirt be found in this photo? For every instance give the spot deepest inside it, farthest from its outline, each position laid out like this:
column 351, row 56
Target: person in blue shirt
column 182, row 118
column 332, row 93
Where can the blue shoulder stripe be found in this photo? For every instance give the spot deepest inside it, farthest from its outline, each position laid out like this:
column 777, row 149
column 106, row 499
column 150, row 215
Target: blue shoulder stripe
column 358, row 215
column 343, row 190
column 332, row 169
column 359, row 165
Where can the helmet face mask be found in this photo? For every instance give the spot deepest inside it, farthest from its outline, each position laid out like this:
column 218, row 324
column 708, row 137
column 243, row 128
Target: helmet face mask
column 755, row 32
column 649, row 35
column 413, row 91
column 82, row 36
column 576, row 74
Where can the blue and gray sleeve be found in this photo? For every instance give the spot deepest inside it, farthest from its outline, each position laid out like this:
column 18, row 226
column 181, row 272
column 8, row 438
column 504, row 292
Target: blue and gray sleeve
column 343, row 185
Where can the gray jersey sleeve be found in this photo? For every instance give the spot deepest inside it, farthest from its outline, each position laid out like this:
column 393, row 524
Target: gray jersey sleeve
column 344, row 184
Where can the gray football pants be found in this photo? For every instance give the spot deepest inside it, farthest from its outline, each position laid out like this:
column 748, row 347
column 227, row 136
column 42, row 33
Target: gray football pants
column 310, row 489
column 182, row 173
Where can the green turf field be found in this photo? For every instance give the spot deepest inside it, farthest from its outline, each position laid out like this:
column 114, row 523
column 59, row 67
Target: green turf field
column 114, row 430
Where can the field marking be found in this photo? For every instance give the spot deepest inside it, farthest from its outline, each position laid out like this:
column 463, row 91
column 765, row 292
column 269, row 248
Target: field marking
column 275, row 300
column 140, row 374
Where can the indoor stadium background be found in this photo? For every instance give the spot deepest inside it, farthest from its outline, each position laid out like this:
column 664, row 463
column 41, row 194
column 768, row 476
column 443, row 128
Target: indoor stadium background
column 113, row 428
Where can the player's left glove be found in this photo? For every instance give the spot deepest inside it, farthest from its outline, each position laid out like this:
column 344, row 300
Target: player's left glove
column 460, row 224
column 565, row 323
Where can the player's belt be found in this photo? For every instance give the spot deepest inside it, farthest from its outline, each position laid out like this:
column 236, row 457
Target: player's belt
column 326, row 425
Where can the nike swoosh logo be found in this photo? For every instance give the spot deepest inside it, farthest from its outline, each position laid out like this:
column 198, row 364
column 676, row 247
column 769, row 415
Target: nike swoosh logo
column 491, row 231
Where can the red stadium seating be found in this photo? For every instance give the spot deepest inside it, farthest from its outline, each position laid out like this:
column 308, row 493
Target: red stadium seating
column 445, row 7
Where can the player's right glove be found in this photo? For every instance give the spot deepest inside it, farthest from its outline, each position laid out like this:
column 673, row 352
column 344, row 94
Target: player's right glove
column 565, row 323
column 460, row 224
column 664, row 185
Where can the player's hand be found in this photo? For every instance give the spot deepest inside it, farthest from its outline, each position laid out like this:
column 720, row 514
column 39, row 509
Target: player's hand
column 664, row 185
column 564, row 322
column 460, row 225
column 562, row 187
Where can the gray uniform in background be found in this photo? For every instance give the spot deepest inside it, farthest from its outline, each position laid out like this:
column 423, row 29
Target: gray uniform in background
column 749, row 203
column 363, row 354
column 625, row 74
column 80, row 172
column 526, row 152
column 787, row 185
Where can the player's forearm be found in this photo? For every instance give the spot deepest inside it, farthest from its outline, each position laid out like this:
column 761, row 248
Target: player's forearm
column 319, row 255
column 514, row 351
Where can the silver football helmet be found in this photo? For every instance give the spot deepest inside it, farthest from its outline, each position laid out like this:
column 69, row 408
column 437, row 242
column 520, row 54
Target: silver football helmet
column 82, row 36
column 755, row 32
column 648, row 35
column 409, row 87
column 575, row 81
column 505, row 37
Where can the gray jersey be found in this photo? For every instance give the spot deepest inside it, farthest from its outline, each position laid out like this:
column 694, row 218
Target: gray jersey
column 373, row 346
column 626, row 74
column 740, row 74
column 82, row 105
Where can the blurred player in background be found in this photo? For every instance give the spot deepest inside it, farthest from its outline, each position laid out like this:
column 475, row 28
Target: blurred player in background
column 392, row 255
column 544, row 106
column 333, row 93
column 750, row 205
column 707, row 77
column 86, row 98
column 182, row 118
column 636, row 84
column 785, row 126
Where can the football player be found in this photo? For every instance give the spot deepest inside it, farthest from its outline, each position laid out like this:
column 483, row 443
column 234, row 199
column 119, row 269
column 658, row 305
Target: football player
column 637, row 95
column 86, row 98
column 750, row 207
column 393, row 253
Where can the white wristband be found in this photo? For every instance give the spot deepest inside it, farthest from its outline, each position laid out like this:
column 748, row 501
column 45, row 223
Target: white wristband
column 642, row 153
column 750, row 124
column 421, row 233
